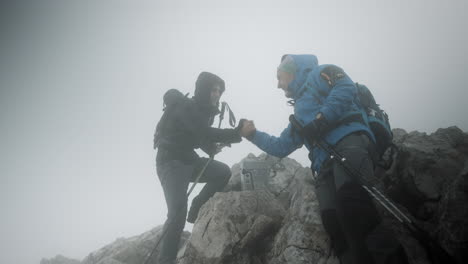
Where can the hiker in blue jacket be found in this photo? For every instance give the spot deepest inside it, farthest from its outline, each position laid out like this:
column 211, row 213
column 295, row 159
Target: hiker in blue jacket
column 322, row 96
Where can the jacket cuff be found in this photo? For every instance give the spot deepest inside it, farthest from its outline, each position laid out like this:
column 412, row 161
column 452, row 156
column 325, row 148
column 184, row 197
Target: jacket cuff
column 255, row 137
column 251, row 136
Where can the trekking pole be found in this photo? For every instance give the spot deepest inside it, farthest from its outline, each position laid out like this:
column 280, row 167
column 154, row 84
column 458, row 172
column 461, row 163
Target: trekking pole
column 437, row 254
column 197, row 179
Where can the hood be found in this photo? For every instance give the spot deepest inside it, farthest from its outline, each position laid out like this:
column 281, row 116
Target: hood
column 203, row 86
column 304, row 65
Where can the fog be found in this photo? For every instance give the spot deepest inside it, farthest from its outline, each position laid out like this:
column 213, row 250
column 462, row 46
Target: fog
column 82, row 84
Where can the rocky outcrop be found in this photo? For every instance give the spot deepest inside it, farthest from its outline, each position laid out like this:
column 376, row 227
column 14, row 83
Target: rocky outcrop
column 129, row 250
column 281, row 223
column 277, row 225
column 231, row 226
column 59, row 259
column 428, row 181
column 430, row 178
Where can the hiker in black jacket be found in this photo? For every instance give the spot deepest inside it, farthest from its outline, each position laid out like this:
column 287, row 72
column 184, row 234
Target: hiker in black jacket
column 184, row 127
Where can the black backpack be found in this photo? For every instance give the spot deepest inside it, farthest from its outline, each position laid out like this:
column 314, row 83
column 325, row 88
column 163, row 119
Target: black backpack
column 171, row 99
column 377, row 118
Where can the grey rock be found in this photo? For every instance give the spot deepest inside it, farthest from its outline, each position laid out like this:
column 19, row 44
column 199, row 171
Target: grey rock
column 230, row 225
column 251, row 227
column 452, row 217
column 133, row 250
column 426, row 165
column 59, row 259
column 428, row 181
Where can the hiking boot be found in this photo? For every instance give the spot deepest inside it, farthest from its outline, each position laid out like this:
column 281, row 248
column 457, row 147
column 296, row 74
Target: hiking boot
column 193, row 212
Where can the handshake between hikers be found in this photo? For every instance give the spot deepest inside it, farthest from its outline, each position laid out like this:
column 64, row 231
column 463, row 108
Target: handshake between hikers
column 336, row 119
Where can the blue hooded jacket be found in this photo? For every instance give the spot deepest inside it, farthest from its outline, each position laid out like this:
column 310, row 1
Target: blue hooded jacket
column 312, row 95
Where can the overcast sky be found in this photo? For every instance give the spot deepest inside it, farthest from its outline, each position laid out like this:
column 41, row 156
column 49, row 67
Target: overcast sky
column 81, row 86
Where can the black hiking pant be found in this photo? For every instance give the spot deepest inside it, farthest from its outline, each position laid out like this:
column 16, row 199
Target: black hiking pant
column 348, row 212
column 175, row 177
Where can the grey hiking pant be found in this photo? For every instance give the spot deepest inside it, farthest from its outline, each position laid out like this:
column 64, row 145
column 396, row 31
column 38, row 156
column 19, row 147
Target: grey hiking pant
column 175, row 177
column 348, row 212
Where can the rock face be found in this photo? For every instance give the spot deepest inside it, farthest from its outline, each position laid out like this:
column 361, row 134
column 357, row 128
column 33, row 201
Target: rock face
column 281, row 224
column 128, row 250
column 430, row 178
column 230, row 227
column 59, row 259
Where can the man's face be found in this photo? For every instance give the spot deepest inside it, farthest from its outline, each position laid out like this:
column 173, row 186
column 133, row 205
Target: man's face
column 215, row 95
column 284, row 79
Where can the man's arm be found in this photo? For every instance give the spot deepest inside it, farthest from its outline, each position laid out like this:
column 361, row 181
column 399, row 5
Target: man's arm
column 193, row 122
column 224, row 135
column 280, row 146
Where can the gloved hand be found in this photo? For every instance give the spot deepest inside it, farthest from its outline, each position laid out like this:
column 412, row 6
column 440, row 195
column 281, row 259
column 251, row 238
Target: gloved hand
column 240, row 125
column 315, row 129
column 246, row 128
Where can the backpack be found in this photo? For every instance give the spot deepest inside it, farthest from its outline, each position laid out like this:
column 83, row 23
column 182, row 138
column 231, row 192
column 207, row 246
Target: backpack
column 171, row 99
column 377, row 119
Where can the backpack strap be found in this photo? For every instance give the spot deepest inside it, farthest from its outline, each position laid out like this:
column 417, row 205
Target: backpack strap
column 331, row 74
column 232, row 117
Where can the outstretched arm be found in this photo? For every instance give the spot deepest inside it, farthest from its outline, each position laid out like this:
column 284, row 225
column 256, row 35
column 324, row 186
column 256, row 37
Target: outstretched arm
column 193, row 121
column 280, row 146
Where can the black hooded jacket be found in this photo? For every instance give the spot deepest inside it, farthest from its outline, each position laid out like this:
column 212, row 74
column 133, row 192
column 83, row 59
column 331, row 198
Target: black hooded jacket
column 186, row 124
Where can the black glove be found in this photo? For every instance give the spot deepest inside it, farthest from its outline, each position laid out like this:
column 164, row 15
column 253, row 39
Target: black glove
column 241, row 123
column 316, row 129
column 236, row 137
